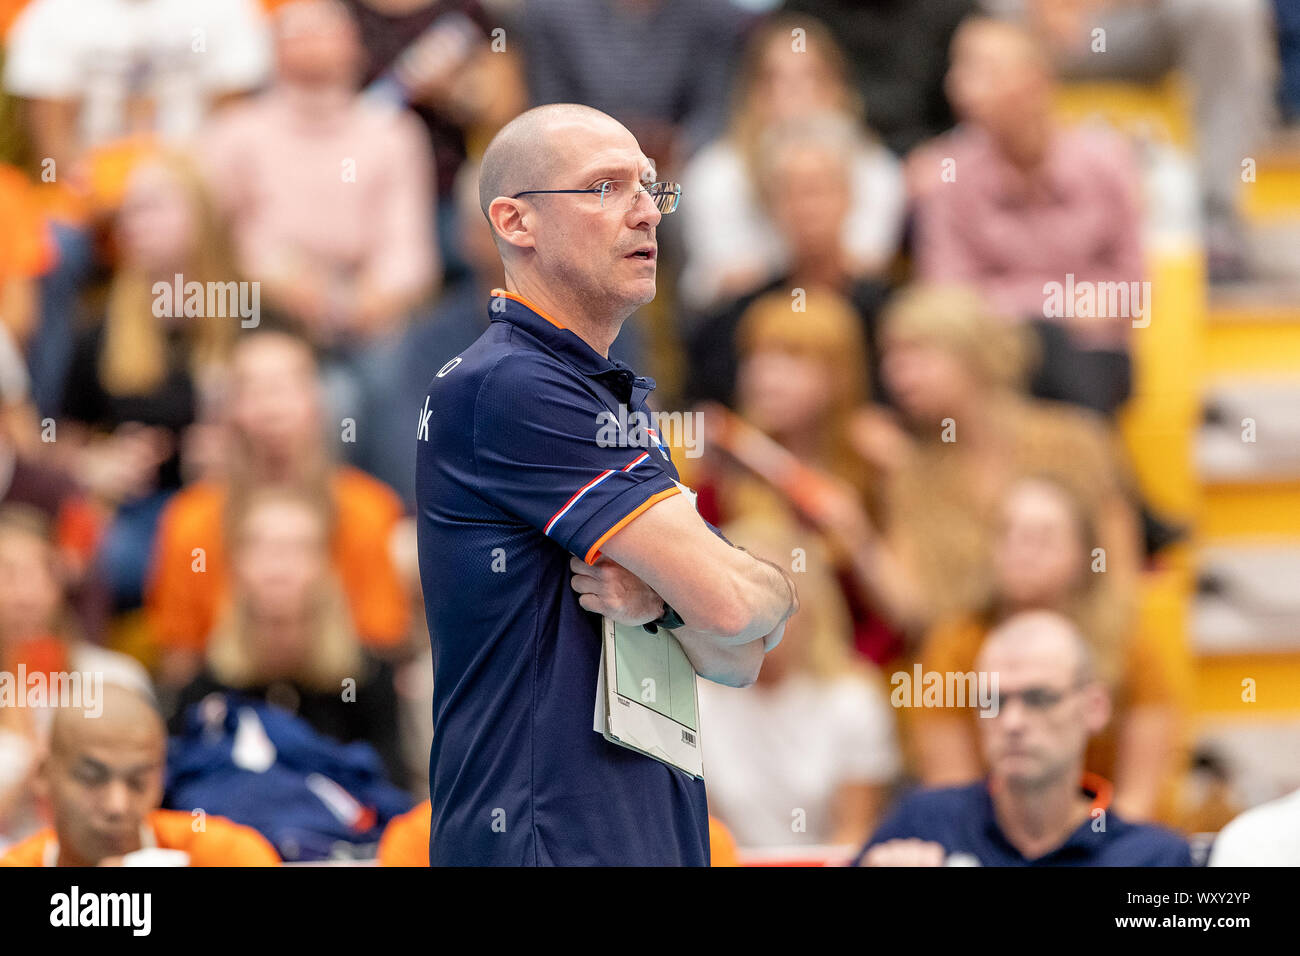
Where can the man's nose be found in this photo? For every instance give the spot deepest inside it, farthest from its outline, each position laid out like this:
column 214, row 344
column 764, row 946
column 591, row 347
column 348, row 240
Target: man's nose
column 644, row 211
column 117, row 799
column 1012, row 712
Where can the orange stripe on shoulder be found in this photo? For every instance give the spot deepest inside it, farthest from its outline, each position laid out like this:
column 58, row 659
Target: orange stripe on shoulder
column 503, row 293
column 594, row 552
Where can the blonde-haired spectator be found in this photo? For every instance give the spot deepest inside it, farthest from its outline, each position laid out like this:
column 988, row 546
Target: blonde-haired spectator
column 141, row 377
column 805, row 178
column 955, row 372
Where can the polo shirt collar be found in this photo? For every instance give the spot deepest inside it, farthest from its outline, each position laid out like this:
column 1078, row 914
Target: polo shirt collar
column 568, row 347
column 1082, row 840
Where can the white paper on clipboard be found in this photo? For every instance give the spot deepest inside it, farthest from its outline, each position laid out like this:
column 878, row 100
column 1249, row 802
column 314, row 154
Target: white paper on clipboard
column 646, row 697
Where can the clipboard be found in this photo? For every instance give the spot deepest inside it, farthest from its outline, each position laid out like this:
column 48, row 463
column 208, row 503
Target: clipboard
column 646, row 698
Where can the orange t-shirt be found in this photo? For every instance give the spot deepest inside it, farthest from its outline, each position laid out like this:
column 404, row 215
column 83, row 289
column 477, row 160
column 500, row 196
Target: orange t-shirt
column 26, row 247
column 220, row 843
column 406, row 840
column 182, row 603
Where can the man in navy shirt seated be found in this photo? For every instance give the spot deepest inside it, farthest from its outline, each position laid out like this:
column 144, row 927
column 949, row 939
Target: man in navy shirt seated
column 1037, row 807
column 534, row 522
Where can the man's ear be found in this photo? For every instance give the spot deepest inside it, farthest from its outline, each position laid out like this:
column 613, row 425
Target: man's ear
column 511, row 220
column 1096, row 707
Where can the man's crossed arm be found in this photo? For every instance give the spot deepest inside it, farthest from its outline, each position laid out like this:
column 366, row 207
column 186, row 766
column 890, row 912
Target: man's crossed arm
column 734, row 605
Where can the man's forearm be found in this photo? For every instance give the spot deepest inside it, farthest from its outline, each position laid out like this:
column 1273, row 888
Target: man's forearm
column 733, row 665
column 769, row 593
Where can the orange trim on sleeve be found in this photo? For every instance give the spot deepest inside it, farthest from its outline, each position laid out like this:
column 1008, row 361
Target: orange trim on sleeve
column 594, row 553
column 503, row 293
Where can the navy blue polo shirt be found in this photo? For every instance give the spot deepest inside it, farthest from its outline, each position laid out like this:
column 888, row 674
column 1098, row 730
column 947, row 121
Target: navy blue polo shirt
column 517, row 470
column 963, row 821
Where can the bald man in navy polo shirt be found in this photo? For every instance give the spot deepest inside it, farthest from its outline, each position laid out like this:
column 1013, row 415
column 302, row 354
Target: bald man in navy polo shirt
column 532, row 525
column 1037, row 807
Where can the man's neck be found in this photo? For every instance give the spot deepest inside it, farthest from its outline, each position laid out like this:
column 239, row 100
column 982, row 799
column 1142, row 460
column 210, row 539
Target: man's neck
column 315, row 103
column 1038, row 819
column 1025, row 147
column 597, row 330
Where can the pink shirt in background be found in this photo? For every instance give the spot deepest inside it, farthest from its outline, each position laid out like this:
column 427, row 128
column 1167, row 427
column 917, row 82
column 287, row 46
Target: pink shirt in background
column 1010, row 235
column 344, row 192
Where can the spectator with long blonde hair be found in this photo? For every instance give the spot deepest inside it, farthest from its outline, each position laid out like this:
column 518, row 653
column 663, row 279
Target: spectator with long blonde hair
column 805, row 177
column 140, row 378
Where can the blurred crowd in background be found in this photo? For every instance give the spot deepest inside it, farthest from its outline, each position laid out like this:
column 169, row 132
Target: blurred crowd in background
column 216, row 507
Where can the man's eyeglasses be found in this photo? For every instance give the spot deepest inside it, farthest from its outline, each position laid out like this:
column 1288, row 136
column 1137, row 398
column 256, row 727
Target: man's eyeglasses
column 624, row 194
column 1037, row 699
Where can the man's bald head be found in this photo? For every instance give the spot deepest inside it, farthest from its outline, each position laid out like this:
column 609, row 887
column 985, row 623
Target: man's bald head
column 586, row 262
column 121, row 714
column 103, row 774
column 1040, row 634
column 1049, row 699
column 524, row 155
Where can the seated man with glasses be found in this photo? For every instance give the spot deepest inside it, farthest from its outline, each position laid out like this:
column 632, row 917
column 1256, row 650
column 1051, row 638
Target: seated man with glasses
column 1037, row 807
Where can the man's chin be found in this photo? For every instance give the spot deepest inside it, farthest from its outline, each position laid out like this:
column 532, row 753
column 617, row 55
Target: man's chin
column 640, row 293
column 114, row 844
column 1019, row 770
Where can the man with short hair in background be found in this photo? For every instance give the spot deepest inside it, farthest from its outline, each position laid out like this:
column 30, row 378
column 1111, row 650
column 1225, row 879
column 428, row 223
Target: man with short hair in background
column 1037, row 807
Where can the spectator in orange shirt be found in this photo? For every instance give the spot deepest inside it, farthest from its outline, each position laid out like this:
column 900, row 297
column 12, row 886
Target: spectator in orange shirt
column 406, row 840
column 26, row 253
column 103, row 777
column 273, row 433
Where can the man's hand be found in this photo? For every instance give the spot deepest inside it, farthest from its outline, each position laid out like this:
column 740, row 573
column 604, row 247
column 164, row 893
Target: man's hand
column 610, row 589
column 905, row 853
